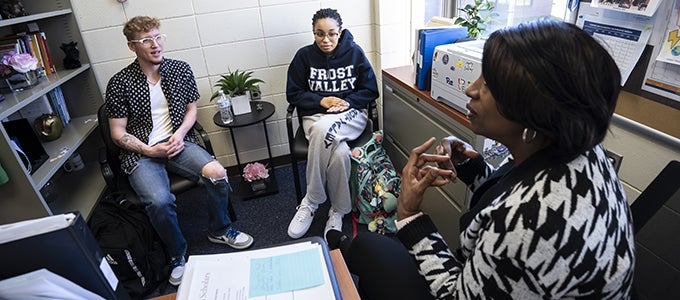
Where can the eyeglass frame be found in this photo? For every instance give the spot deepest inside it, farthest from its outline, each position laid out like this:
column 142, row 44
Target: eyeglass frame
column 158, row 39
column 322, row 35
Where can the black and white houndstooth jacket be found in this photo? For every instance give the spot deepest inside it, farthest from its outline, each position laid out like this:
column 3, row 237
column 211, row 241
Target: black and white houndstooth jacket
column 541, row 230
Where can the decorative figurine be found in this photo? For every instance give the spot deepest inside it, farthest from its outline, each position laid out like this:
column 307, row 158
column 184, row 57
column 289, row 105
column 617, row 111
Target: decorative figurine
column 49, row 127
column 12, row 9
column 72, row 58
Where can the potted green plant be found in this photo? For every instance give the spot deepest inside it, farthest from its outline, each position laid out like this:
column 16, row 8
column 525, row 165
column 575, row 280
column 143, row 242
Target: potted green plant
column 238, row 85
column 473, row 17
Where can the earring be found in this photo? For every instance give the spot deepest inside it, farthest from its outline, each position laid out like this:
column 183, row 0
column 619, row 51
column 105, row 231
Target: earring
column 525, row 137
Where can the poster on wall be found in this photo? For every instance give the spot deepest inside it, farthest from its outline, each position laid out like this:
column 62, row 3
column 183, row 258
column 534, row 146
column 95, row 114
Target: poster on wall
column 622, row 35
column 663, row 73
column 638, row 7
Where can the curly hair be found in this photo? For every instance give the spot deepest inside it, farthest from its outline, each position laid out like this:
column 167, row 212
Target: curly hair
column 555, row 78
column 140, row 24
column 327, row 13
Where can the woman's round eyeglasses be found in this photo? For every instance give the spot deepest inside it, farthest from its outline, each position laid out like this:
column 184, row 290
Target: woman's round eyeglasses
column 330, row 35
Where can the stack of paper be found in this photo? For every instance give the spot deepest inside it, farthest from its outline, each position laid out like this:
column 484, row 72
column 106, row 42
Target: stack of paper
column 295, row 271
column 43, row 284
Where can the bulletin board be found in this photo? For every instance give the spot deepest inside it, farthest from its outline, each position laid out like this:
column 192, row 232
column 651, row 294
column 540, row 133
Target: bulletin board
column 662, row 76
column 652, row 86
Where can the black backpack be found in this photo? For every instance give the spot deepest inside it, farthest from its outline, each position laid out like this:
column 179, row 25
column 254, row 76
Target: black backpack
column 130, row 244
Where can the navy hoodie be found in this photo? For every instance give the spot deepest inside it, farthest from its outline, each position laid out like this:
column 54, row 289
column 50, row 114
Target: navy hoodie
column 347, row 74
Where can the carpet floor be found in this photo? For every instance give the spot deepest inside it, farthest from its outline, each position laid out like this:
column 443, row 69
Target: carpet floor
column 265, row 218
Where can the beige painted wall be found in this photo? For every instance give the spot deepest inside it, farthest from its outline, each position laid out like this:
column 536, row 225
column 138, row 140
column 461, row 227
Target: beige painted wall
column 646, row 151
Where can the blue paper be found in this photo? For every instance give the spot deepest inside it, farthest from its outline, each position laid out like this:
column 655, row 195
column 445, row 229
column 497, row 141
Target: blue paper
column 284, row 273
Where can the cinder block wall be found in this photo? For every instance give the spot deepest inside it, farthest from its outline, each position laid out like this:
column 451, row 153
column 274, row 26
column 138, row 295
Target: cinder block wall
column 215, row 36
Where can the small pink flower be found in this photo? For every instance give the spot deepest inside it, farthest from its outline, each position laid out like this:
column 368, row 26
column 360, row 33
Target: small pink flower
column 255, row 171
column 21, row 63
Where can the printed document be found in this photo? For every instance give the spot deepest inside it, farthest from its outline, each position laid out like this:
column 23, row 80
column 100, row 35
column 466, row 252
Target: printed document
column 43, row 284
column 295, row 271
column 624, row 36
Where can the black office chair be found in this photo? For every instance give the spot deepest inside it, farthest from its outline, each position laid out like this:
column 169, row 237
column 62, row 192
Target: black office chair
column 655, row 225
column 298, row 143
column 116, row 180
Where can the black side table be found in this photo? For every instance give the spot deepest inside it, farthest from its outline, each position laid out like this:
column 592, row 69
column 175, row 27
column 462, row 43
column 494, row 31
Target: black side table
column 260, row 112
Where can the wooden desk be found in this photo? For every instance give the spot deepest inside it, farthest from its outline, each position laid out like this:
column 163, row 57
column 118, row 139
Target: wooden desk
column 347, row 288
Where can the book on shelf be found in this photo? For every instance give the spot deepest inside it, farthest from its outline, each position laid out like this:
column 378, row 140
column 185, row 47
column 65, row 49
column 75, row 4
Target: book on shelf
column 62, row 104
column 56, row 99
column 45, row 52
column 7, row 47
column 34, row 43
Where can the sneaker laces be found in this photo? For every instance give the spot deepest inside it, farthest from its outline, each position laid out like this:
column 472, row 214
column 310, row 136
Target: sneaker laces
column 334, row 218
column 232, row 233
column 302, row 216
column 179, row 261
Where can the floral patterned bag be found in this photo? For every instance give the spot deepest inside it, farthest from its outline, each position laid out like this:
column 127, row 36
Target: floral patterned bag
column 374, row 186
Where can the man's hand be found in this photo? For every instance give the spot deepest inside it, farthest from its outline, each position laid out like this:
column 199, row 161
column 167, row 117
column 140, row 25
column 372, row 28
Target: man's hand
column 175, row 145
column 169, row 148
column 417, row 176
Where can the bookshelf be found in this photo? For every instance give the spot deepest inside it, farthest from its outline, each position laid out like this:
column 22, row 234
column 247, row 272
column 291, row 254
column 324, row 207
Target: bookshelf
column 21, row 197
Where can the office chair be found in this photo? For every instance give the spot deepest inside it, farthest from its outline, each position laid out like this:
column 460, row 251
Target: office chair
column 298, row 143
column 655, row 225
column 116, row 180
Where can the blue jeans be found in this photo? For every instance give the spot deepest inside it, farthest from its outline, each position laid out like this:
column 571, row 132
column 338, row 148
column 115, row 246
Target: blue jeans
column 150, row 181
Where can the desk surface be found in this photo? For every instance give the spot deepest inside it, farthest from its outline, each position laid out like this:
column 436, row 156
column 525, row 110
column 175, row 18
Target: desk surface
column 347, row 288
column 404, row 76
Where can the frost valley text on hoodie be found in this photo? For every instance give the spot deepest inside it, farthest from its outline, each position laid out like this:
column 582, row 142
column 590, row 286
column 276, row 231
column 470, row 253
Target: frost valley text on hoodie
column 331, row 80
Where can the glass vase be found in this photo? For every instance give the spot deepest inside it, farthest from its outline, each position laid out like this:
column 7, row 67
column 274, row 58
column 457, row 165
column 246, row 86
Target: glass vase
column 18, row 82
column 258, row 185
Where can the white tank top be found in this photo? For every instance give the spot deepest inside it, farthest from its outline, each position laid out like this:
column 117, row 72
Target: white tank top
column 160, row 115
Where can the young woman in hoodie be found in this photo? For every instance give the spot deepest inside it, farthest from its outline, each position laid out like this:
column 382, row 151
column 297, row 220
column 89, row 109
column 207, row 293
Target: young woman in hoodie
column 330, row 82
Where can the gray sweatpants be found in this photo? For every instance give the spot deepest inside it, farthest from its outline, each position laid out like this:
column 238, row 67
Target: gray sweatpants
column 328, row 157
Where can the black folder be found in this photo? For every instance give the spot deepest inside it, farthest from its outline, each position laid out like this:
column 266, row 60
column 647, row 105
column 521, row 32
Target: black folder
column 70, row 252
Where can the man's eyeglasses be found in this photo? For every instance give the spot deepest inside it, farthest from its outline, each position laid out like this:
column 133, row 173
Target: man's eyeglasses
column 147, row 42
column 330, row 35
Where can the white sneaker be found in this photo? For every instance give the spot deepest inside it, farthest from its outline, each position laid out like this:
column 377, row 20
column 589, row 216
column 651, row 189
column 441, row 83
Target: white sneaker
column 177, row 266
column 234, row 238
column 301, row 221
column 334, row 221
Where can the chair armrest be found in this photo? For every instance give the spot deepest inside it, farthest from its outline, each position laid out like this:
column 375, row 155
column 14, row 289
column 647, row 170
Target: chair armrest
column 289, row 127
column 203, row 136
column 289, row 118
column 373, row 114
column 105, row 167
column 289, row 111
column 103, row 158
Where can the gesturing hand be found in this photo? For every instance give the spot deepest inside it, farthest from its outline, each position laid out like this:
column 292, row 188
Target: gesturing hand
column 417, row 176
column 457, row 150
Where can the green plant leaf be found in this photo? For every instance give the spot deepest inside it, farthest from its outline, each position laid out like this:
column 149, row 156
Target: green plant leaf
column 473, row 19
column 237, row 83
